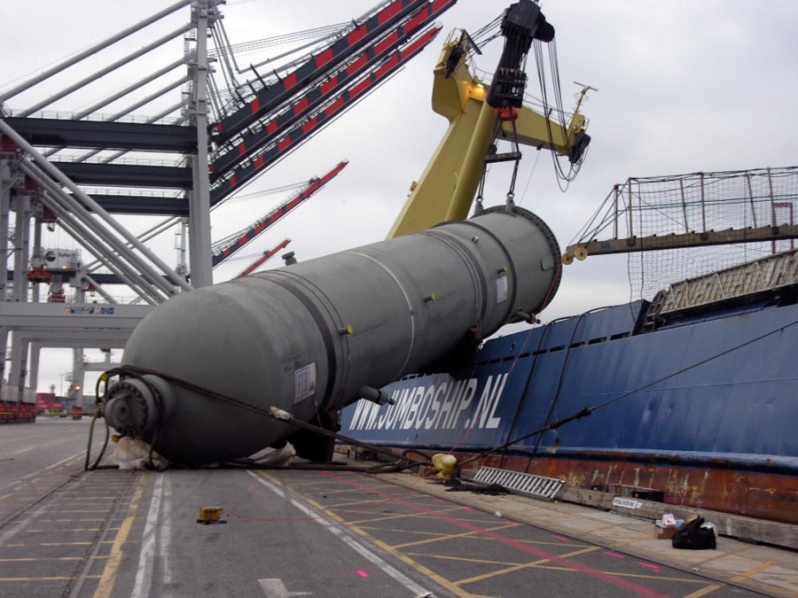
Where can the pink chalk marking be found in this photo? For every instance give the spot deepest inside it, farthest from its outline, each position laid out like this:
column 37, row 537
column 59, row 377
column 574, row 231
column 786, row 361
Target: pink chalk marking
column 362, row 573
column 561, row 538
column 650, row 566
column 630, row 586
column 615, row 554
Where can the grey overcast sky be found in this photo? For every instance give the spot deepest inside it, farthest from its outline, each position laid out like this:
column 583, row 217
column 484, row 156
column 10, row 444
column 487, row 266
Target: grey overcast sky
column 683, row 86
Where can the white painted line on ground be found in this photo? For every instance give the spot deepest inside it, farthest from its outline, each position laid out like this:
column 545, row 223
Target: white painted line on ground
column 13, row 531
column 275, row 588
column 143, row 584
column 165, row 536
column 342, row 535
column 40, row 471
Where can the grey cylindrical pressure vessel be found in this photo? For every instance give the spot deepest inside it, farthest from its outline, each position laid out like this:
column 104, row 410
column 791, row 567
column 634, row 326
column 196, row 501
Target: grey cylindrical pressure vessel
column 305, row 338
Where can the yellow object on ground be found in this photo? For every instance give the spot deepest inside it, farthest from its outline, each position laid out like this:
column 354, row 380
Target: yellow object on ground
column 445, row 465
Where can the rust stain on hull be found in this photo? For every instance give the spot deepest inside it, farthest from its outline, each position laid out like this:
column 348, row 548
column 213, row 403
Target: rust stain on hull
column 760, row 495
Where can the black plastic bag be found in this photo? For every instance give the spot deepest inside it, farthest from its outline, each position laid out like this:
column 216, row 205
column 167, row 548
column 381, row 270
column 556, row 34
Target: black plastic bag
column 693, row 536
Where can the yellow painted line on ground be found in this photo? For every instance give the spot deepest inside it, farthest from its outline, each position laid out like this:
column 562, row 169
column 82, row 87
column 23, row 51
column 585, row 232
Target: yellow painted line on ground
column 385, row 516
column 79, row 500
column 59, row 578
column 322, row 483
column 69, row 543
column 746, row 574
column 440, row 580
column 39, row 559
column 445, row 537
column 271, row 478
column 49, row 544
column 659, row 577
column 531, row 565
column 10, row 493
column 433, row 534
column 327, row 513
column 459, row 559
column 102, row 511
column 395, row 553
column 704, row 591
column 70, row 530
column 543, row 564
column 351, row 503
column 111, row 570
column 74, row 520
column 390, row 516
column 359, row 500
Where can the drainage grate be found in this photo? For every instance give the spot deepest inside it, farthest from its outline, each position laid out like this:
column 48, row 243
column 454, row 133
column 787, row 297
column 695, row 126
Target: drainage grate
column 523, row 483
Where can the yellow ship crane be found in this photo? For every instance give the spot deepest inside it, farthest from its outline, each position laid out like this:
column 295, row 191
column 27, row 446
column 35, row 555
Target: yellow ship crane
column 478, row 115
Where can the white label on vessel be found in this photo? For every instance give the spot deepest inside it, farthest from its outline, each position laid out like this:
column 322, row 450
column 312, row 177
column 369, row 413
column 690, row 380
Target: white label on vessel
column 501, row 289
column 305, row 382
column 626, row 503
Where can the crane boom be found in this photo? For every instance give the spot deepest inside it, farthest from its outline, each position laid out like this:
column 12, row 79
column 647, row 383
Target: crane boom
column 380, row 21
column 292, row 137
column 401, row 42
column 262, row 259
column 229, row 247
column 445, row 191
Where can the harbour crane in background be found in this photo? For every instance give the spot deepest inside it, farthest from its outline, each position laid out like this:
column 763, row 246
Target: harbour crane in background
column 227, row 247
column 222, row 146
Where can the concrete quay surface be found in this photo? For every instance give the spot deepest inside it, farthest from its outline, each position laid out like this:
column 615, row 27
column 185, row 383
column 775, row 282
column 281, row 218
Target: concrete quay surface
column 767, row 569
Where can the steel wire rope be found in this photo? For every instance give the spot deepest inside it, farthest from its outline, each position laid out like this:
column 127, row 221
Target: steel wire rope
column 586, row 411
column 555, row 70
column 100, row 401
column 562, row 177
column 529, row 179
column 278, row 40
column 139, row 373
column 221, row 41
column 560, row 380
column 497, row 128
column 488, row 32
column 518, row 355
column 528, row 383
column 480, row 415
column 590, row 230
column 225, row 50
column 694, row 365
column 279, row 415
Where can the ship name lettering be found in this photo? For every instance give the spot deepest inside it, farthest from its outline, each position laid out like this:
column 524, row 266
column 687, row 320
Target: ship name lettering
column 441, row 406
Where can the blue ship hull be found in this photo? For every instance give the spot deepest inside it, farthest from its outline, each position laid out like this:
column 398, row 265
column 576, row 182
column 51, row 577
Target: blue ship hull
column 703, row 409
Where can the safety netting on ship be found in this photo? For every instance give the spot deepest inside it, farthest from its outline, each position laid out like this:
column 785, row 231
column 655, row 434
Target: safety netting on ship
column 685, row 226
